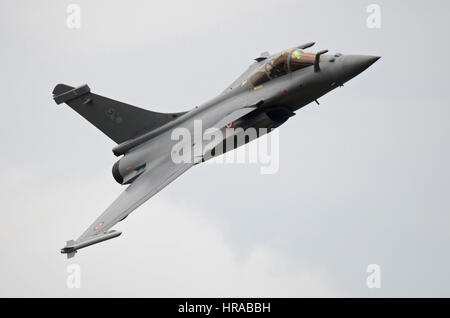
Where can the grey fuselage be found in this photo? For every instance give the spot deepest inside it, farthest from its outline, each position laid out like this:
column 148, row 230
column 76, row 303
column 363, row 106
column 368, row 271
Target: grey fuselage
column 272, row 104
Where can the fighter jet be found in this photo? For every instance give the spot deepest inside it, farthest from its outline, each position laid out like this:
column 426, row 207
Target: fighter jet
column 264, row 97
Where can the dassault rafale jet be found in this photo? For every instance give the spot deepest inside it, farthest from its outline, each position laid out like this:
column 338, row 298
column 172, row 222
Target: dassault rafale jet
column 265, row 96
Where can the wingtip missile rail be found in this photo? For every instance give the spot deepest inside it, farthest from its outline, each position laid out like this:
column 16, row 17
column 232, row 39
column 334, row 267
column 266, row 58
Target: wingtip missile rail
column 72, row 246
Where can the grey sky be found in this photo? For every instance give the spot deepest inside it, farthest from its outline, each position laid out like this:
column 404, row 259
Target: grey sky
column 364, row 177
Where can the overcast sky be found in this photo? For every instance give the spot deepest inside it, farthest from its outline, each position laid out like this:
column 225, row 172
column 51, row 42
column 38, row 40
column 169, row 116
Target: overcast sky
column 364, row 178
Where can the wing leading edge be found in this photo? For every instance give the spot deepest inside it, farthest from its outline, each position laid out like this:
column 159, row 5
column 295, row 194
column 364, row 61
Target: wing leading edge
column 142, row 189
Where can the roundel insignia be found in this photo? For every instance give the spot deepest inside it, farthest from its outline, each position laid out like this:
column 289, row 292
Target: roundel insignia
column 230, row 125
column 99, row 226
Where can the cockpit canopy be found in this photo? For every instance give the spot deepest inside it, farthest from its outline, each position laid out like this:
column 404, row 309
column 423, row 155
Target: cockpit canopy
column 281, row 64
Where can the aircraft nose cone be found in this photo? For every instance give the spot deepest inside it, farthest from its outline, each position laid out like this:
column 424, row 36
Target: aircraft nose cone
column 355, row 64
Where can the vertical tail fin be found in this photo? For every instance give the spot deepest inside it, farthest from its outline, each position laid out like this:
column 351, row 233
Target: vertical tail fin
column 119, row 121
